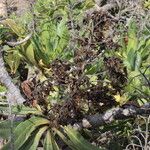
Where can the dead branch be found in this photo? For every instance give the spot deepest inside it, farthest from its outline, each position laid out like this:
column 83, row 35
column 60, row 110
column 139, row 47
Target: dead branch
column 104, row 8
column 20, row 42
column 14, row 97
column 112, row 115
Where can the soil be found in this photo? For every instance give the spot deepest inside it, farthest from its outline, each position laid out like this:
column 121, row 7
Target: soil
column 18, row 6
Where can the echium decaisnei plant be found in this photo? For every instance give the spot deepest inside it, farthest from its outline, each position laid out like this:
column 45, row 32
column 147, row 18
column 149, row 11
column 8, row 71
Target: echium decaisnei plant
column 85, row 74
column 134, row 51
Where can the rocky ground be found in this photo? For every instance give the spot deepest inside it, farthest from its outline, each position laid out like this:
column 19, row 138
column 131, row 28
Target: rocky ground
column 18, row 6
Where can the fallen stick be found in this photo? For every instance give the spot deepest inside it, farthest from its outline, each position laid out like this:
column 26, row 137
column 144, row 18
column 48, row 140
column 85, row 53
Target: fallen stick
column 112, row 115
column 13, row 95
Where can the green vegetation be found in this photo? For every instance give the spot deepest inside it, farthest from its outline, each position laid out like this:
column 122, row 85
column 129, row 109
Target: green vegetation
column 78, row 61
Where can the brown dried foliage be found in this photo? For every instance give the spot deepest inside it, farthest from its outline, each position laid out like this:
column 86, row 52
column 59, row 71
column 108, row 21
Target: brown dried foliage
column 78, row 96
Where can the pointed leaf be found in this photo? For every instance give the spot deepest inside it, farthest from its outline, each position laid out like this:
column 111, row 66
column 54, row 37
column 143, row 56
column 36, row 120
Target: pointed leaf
column 23, row 131
column 65, row 139
column 18, row 30
column 5, row 128
column 138, row 61
column 33, row 141
column 13, row 60
column 50, row 143
column 24, row 110
column 78, row 140
column 132, row 38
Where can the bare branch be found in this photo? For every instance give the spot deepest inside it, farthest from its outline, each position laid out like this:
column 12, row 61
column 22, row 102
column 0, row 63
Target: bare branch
column 112, row 115
column 13, row 96
column 104, row 8
column 20, row 42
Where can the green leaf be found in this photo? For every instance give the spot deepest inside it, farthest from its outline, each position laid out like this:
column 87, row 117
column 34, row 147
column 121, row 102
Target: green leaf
column 33, row 141
column 28, row 51
column 78, row 5
column 51, row 42
column 144, row 48
column 19, row 109
column 141, row 101
column 49, row 142
column 24, row 110
column 65, row 139
column 5, row 129
column 130, row 62
column 39, row 51
column 132, row 38
column 13, row 60
column 138, row 61
column 23, row 131
column 77, row 140
column 143, row 43
column 147, row 4
column 89, row 4
column 2, row 88
column 134, row 74
column 18, row 30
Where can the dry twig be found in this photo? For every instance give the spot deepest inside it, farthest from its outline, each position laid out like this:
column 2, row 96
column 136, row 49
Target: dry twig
column 112, row 115
column 13, row 96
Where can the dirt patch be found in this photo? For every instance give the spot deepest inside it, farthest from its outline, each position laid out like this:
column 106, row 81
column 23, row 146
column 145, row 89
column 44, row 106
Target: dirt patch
column 17, row 6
